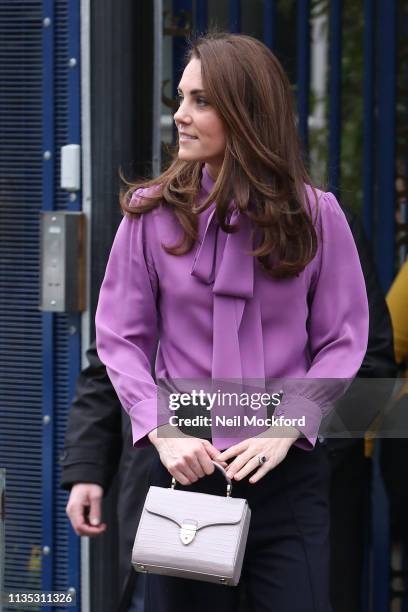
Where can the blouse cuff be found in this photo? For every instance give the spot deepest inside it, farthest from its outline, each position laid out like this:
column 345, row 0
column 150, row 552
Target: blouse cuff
column 302, row 409
column 145, row 417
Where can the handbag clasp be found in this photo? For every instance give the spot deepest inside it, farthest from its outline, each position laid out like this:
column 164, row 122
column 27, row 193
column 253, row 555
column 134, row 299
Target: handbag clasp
column 188, row 531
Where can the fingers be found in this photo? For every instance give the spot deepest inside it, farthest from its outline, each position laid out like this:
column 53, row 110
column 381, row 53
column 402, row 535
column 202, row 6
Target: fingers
column 191, row 467
column 182, row 472
column 184, row 467
column 246, row 461
column 211, row 453
column 188, row 460
column 197, row 462
column 89, row 530
column 275, row 454
column 84, row 505
column 232, row 451
column 206, row 464
column 250, row 466
column 235, row 468
column 95, row 513
column 260, row 473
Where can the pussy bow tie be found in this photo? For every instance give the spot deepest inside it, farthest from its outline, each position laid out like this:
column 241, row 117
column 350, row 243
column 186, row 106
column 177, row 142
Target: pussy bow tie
column 235, row 275
column 222, row 260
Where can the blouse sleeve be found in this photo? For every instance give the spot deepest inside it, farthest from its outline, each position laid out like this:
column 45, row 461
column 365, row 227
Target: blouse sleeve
column 127, row 328
column 337, row 324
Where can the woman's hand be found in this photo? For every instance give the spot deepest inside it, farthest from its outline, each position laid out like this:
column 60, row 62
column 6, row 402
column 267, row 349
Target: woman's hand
column 247, row 452
column 186, row 458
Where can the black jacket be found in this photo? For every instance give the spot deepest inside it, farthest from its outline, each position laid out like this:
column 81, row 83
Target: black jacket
column 98, row 446
column 363, row 401
column 98, row 439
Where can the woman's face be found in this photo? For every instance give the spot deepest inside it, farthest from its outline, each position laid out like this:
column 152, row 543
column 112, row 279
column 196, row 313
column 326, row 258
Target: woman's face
column 201, row 132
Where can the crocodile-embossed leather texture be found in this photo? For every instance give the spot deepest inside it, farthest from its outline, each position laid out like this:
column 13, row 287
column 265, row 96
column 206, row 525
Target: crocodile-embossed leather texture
column 216, row 551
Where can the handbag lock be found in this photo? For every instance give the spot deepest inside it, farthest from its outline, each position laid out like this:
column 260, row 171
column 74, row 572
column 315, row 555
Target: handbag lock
column 188, row 531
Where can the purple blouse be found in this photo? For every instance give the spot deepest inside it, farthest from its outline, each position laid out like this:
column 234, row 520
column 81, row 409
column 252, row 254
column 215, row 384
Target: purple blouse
column 217, row 315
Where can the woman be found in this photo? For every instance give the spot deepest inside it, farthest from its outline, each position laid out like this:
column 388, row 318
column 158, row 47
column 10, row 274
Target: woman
column 242, row 271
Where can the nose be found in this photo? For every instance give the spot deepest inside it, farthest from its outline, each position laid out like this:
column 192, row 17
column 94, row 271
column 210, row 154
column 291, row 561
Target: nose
column 181, row 116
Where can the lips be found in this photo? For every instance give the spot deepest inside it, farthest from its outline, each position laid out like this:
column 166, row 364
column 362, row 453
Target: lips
column 184, row 136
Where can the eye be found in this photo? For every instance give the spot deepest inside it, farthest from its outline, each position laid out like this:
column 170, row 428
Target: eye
column 179, row 98
column 202, row 102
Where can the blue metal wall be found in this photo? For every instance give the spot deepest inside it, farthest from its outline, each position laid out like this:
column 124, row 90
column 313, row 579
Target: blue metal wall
column 20, row 321
column 39, row 359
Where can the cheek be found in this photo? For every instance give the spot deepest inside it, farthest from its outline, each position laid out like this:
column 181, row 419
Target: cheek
column 220, row 142
column 216, row 133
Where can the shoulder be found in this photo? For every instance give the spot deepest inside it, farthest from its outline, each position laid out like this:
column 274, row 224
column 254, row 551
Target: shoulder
column 322, row 203
column 142, row 196
column 154, row 226
column 137, row 217
column 327, row 215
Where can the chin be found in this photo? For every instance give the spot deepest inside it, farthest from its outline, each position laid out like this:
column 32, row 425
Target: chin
column 184, row 156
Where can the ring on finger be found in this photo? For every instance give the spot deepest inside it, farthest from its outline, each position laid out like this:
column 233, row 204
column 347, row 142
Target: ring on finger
column 262, row 459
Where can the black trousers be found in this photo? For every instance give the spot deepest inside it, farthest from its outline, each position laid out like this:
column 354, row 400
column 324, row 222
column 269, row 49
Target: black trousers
column 286, row 564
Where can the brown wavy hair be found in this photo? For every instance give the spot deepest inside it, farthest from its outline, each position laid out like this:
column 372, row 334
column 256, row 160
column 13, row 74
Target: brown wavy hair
column 262, row 170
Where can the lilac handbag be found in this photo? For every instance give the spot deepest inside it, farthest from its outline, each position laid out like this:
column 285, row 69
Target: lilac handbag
column 192, row 535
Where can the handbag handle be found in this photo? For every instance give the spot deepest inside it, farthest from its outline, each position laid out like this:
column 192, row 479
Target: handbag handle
column 223, row 472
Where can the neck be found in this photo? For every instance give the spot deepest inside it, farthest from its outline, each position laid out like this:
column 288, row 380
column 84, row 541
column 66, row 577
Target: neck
column 213, row 171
